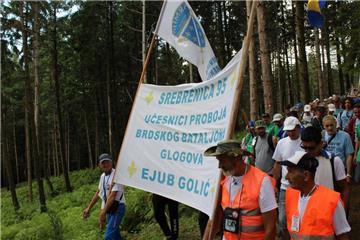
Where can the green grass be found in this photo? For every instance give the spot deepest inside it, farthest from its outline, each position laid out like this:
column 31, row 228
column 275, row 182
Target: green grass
column 63, row 219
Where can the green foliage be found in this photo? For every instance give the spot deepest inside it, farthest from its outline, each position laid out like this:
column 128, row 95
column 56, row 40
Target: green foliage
column 63, row 219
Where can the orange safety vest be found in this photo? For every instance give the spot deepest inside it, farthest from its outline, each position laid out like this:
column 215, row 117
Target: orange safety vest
column 317, row 220
column 251, row 220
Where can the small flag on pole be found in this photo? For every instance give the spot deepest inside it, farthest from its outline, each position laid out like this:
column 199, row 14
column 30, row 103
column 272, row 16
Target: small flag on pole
column 315, row 17
column 179, row 26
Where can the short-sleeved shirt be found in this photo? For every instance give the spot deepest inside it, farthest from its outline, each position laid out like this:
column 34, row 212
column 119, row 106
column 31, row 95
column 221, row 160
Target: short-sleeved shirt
column 285, row 149
column 104, row 188
column 343, row 118
column 323, row 175
column 340, row 146
column 267, row 200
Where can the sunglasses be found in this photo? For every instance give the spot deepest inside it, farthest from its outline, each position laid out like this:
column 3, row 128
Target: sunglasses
column 307, row 148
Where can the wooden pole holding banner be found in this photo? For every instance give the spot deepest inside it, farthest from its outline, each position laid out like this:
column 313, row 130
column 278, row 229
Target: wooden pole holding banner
column 209, row 232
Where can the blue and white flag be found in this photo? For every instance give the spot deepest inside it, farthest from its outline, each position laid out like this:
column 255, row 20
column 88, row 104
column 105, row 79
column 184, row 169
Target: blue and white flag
column 179, row 26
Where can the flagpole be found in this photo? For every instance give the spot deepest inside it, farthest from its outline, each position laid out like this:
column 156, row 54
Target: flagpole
column 209, row 232
column 141, row 80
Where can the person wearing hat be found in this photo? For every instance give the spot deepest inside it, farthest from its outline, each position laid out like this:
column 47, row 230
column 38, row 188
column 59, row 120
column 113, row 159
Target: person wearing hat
column 263, row 148
column 112, row 197
column 307, row 115
column 312, row 211
column 331, row 109
column 285, row 148
column 247, row 197
column 276, row 131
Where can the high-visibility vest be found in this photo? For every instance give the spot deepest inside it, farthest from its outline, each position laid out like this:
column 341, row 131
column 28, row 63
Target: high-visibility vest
column 251, row 220
column 317, row 220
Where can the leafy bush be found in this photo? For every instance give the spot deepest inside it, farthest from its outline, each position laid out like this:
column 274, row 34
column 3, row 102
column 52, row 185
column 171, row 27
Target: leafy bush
column 63, row 219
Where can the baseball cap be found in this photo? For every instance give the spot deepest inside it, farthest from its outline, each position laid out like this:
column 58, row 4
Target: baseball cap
column 230, row 148
column 331, row 107
column 302, row 160
column 277, row 117
column 104, row 157
column 307, row 108
column 265, row 115
column 259, row 124
column 290, row 123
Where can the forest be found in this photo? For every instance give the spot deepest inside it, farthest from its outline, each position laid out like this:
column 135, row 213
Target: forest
column 70, row 70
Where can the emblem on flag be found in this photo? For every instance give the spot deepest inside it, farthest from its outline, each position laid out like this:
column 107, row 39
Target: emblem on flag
column 186, row 27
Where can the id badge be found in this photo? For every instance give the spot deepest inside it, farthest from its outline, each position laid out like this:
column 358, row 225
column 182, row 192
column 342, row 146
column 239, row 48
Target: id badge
column 232, row 220
column 295, row 223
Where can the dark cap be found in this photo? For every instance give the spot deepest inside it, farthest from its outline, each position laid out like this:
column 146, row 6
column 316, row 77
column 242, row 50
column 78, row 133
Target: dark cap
column 303, row 161
column 230, row 148
column 104, row 157
column 265, row 115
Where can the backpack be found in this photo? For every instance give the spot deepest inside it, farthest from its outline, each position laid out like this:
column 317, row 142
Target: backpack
column 336, row 186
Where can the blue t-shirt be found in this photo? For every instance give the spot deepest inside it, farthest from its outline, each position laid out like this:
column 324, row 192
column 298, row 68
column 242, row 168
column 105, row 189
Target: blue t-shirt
column 343, row 118
column 340, row 146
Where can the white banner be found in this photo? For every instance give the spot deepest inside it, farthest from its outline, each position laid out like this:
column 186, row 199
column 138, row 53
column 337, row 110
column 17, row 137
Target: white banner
column 180, row 27
column 167, row 133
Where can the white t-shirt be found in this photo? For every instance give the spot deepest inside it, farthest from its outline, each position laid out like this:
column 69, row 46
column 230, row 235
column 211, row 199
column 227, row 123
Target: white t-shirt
column 285, row 149
column 323, row 175
column 267, row 200
column 104, row 188
column 340, row 223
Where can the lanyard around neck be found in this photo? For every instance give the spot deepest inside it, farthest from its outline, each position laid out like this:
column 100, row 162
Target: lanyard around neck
column 105, row 184
column 241, row 188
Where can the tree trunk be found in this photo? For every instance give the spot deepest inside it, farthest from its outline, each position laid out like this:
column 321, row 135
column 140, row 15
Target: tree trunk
column 303, row 70
column 328, row 58
column 324, row 67
column 320, row 79
column 7, row 163
column 296, row 84
column 108, row 80
column 143, row 36
column 281, row 89
column 265, row 59
column 338, row 58
column 62, row 151
column 220, row 26
column 96, row 134
column 88, row 142
column 252, row 71
column 27, row 100
column 17, row 167
column 38, row 166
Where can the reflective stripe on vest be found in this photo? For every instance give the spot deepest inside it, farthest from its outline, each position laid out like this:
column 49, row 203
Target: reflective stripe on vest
column 317, row 220
column 296, row 236
column 252, row 225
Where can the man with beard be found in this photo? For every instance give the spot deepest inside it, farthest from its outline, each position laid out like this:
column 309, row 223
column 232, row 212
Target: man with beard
column 248, row 204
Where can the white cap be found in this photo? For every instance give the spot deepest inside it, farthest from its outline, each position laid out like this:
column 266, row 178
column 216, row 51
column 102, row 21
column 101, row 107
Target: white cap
column 277, row 117
column 307, row 108
column 331, row 107
column 290, row 123
column 295, row 159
